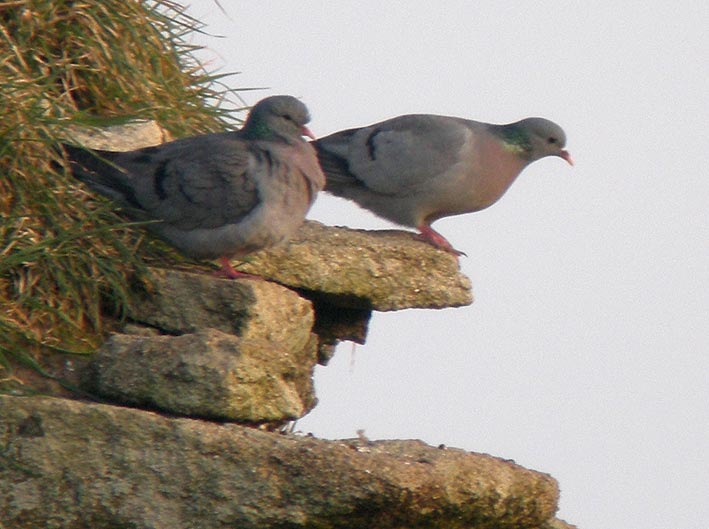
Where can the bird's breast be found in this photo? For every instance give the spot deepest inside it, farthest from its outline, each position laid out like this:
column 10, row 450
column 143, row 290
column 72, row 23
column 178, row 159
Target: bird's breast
column 491, row 175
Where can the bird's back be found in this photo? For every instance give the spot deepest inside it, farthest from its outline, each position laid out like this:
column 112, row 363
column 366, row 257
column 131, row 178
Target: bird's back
column 214, row 194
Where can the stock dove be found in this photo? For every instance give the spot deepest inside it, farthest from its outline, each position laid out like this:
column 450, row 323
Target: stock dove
column 416, row 169
column 221, row 195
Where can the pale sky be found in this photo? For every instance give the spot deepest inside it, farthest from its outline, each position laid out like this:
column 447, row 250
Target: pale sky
column 585, row 354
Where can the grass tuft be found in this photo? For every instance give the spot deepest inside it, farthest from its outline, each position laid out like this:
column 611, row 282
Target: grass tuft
column 66, row 258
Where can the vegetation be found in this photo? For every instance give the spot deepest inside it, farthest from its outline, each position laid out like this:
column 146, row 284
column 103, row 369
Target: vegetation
column 66, row 258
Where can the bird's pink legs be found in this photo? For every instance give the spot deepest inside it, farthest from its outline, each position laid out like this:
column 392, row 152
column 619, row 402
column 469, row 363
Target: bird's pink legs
column 434, row 238
column 227, row 272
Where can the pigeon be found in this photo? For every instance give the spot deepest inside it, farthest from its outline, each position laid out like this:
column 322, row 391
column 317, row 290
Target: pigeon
column 418, row 168
column 221, row 195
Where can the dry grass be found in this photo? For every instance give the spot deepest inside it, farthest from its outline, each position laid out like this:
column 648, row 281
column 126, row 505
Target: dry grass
column 66, row 259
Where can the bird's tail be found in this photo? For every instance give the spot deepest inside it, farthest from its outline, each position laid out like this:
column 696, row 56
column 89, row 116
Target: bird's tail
column 332, row 155
column 97, row 169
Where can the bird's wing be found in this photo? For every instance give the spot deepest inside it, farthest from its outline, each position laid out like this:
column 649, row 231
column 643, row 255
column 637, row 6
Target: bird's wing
column 396, row 157
column 201, row 182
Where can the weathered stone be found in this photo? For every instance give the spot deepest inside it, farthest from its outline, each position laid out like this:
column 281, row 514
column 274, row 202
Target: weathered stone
column 555, row 523
column 208, row 374
column 183, row 302
column 68, row 464
column 380, row 270
column 126, row 137
column 335, row 324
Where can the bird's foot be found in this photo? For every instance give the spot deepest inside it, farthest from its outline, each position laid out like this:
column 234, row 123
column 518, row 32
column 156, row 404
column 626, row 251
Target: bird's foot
column 434, row 238
column 228, row 272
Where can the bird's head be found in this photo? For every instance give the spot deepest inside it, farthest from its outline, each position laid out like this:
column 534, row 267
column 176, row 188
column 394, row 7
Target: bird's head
column 278, row 117
column 536, row 138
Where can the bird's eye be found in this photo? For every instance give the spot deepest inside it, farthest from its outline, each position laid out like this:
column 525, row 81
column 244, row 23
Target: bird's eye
column 551, row 140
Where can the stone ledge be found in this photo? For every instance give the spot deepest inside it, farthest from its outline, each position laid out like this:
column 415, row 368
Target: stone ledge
column 208, row 374
column 68, row 464
column 379, row 270
column 179, row 302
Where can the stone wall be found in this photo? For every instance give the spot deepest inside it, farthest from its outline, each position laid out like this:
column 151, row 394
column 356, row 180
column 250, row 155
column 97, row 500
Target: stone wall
column 181, row 430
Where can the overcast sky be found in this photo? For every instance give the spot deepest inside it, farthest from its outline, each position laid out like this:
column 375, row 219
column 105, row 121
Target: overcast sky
column 585, row 354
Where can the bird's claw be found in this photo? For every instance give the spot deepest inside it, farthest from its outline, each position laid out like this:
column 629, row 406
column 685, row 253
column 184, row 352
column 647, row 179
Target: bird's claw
column 434, row 238
column 227, row 271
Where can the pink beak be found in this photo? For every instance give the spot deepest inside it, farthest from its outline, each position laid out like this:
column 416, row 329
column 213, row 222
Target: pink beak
column 566, row 156
column 305, row 131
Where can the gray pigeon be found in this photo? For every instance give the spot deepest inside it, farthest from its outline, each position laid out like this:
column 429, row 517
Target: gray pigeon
column 216, row 196
column 416, row 169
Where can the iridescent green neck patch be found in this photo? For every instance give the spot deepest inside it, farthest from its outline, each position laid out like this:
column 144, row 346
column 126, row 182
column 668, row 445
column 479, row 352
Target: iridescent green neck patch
column 515, row 139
